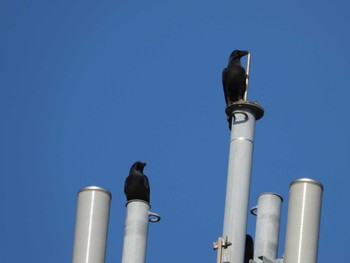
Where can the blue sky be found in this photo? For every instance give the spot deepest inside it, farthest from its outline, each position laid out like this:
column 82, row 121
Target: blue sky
column 88, row 88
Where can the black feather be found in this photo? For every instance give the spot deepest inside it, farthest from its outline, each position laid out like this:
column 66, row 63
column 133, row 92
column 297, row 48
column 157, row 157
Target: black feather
column 234, row 78
column 249, row 249
column 136, row 184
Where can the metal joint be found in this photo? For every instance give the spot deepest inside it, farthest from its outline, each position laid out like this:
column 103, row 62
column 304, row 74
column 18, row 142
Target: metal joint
column 222, row 242
column 243, row 106
column 219, row 246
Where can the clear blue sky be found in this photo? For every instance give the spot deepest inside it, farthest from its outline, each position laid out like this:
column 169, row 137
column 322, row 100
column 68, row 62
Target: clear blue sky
column 87, row 88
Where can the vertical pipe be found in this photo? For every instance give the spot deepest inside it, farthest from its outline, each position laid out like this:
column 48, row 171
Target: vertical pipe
column 91, row 225
column 136, row 231
column 238, row 179
column 303, row 223
column 248, row 75
column 267, row 226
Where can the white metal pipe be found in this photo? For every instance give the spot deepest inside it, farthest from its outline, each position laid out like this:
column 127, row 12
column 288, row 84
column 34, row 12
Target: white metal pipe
column 268, row 212
column 303, row 223
column 91, row 225
column 238, row 182
column 136, row 231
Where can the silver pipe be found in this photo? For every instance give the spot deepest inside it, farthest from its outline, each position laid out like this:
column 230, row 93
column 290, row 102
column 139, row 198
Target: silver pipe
column 238, row 179
column 303, row 223
column 136, row 231
column 268, row 212
column 92, row 216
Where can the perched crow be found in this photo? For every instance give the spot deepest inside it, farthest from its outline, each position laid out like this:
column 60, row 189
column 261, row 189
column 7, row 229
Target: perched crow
column 136, row 184
column 234, row 78
column 249, row 249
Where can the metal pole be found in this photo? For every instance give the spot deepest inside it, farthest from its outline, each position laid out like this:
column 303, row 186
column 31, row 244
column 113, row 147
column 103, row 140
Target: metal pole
column 244, row 115
column 268, row 212
column 91, row 226
column 303, row 223
column 136, row 231
column 248, row 75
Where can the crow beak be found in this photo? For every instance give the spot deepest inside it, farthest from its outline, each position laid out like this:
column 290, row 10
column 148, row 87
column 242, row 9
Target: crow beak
column 143, row 165
column 244, row 53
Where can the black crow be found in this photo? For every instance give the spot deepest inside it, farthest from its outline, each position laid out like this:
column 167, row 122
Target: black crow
column 234, row 78
column 249, row 249
column 136, row 184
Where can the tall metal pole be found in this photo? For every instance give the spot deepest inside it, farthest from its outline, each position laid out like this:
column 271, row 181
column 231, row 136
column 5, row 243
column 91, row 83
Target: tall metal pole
column 268, row 212
column 136, row 231
column 91, row 226
column 244, row 115
column 303, row 223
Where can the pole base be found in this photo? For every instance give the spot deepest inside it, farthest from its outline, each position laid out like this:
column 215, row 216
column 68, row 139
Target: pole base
column 240, row 105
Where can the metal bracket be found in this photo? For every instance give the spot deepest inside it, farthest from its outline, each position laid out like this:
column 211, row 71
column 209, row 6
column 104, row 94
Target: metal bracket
column 153, row 217
column 244, row 105
column 254, row 210
column 219, row 246
column 246, row 117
